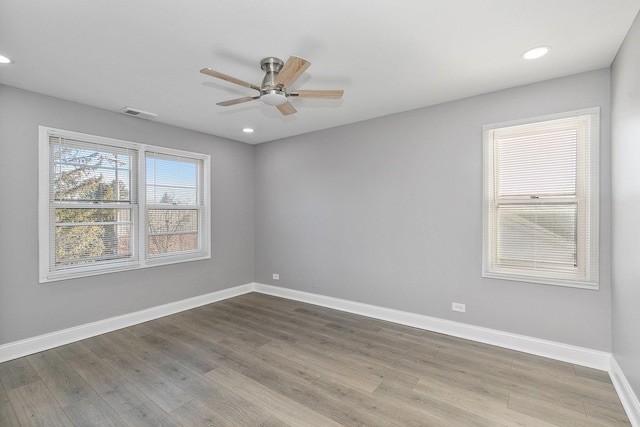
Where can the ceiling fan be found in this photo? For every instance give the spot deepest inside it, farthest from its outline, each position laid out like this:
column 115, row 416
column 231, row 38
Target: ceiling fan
column 275, row 85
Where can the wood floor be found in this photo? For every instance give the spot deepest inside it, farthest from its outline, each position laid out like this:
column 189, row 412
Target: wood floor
column 257, row 360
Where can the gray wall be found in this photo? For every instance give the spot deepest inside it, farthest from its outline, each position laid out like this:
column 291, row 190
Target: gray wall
column 29, row 308
column 625, row 161
column 385, row 212
column 389, row 212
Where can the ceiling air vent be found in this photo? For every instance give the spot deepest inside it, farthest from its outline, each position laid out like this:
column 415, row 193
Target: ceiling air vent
column 138, row 113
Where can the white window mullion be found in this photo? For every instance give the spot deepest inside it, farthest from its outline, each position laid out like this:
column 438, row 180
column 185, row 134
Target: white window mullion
column 142, row 208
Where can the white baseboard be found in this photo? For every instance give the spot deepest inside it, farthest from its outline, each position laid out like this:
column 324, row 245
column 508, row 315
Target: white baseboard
column 39, row 343
column 554, row 350
column 625, row 392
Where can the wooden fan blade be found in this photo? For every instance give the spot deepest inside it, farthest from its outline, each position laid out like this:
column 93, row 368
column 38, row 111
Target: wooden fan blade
column 325, row 94
column 217, row 75
column 292, row 69
column 286, row 108
column 237, row 101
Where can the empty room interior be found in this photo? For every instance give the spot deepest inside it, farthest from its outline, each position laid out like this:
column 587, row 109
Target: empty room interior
column 245, row 213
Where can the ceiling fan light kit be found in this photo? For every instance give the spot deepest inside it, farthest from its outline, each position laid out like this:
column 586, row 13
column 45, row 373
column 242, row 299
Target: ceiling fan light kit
column 279, row 76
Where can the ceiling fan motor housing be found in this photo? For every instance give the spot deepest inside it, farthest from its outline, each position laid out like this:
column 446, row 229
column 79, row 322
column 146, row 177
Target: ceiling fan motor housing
column 270, row 92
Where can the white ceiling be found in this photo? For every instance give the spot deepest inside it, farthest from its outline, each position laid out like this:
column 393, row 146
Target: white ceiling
column 388, row 56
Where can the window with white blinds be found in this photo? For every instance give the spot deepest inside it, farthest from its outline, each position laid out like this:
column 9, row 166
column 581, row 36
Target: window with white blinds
column 541, row 200
column 109, row 205
column 175, row 204
column 92, row 210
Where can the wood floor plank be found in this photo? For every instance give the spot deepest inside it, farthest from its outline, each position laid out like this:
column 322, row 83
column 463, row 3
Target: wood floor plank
column 430, row 368
column 217, row 353
column 368, row 350
column 346, row 320
column 308, row 395
column 149, row 414
column 412, row 340
column 486, row 405
column 63, row 382
column 531, row 361
column 112, row 387
column 445, row 412
column 251, row 318
column 291, row 326
column 196, row 413
column 548, row 412
column 139, row 329
column 274, row 422
column 284, row 408
column 179, row 351
column 479, row 358
column 339, row 372
column 607, row 413
column 559, row 390
column 7, row 416
column 17, row 373
column 280, row 315
column 203, row 329
column 219, row 322
column 362, row 339
column 101, row 346
column 138, row 347
column 384, row 373
column 283, row 375
column 472, row 388
column 594, row 374
column 594, row 385
column 269, row 302
column 162, row 391
column 228, row 407
column 35, row 406
column 467, row 345
column 400, row 414
column 301, row 372
column 93, row 411
column 73, row 350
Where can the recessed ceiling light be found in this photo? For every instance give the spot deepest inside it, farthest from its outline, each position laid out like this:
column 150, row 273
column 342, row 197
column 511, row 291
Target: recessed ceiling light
column 5, row 60
column 536, row 52
column 247, row 130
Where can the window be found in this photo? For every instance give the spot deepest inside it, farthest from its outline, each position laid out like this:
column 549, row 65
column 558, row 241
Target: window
column 174, row 204
column 541, row 200
column 109, row 205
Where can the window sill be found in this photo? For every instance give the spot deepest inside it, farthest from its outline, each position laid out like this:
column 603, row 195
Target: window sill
column 65, row 275
column 570, row 283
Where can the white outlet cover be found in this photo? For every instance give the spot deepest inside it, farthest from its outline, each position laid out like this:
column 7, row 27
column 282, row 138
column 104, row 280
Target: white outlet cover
column 276, row 277
column 456, row 306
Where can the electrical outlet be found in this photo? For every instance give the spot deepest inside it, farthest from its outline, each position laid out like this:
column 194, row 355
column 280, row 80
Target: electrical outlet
column 456, row 306
column 276, row 276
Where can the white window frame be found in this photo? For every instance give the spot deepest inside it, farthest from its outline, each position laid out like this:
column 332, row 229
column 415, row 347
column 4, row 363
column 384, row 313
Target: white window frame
column 199, row 206
column 586, row 273
column 139, row 233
